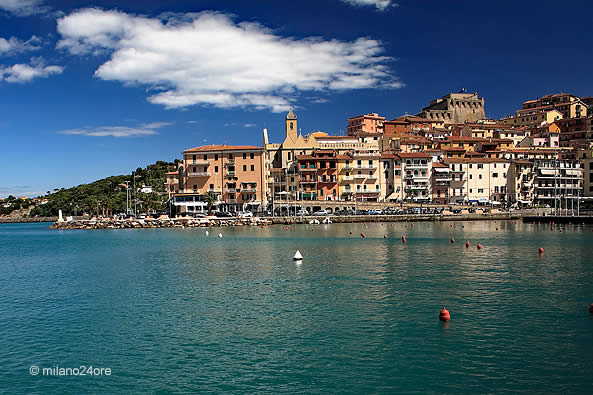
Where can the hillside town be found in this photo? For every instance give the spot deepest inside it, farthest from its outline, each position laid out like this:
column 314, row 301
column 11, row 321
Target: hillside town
column 449, row 153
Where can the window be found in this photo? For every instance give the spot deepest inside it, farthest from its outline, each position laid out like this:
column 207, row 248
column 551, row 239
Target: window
column 195, row 187
column 471, row 176
column 251, row 155
column 252, row 167
column 479, row 176
column 244, row 155
column 244, row 167
column 471, row 190
column 480, row 165
column 215, row 156
column 480, row 190
column 193, row 158
column 216, row 169
column 211, row 187
column 470, row 165
column 205, row 157
column 230, row 156
column 193, row 169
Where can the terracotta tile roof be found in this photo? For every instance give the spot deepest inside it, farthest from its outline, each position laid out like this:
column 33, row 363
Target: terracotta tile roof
column 439, row 164
column 413, row 155
column 208, row 148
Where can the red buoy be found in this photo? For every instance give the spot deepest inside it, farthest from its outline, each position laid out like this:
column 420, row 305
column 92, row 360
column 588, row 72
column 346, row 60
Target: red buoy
column 404, row 239
column 312, row 229
column 541, row 251
column 479, row 246
column 444, row 315
column 412, row 225
column 384, row 236
column 591, row 308
column 350, row 232
column 467, row 244
column 362, row 235
column 452, row 240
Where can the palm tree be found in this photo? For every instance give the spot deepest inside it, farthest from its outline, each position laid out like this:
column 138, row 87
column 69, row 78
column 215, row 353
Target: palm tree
column 210, row 199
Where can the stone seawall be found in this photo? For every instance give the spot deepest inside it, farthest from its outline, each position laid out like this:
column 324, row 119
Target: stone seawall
column 159, row 223
column 27, row 220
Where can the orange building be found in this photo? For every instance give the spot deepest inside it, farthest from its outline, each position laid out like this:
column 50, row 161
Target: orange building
column 233, row 174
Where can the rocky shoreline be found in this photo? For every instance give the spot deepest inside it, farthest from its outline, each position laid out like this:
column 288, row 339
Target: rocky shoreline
column 159, row 223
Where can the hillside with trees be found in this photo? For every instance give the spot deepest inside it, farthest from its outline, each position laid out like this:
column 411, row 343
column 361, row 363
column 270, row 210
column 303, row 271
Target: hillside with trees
column 108, row 196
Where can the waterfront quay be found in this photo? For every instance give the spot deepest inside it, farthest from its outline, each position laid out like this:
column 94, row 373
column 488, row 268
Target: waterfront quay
column 190, row 222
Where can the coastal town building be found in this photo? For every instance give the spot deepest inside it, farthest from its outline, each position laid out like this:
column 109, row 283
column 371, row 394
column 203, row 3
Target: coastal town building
column 367, row 123
column 557, row 182
column 416, row 176
column 586, row 157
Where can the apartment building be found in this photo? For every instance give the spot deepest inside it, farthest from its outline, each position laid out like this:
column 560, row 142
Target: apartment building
column 391, row 181
column 557, row 182
column 479, row 180
column 233, row 174
column 359, row 176
column 441, row 183
column 367, row 123
column 416, row 176
column 318, row 175
column 586, row 158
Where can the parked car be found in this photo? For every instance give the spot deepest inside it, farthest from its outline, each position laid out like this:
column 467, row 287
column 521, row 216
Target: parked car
column 302, row 212
column 245, row 214
column 375, row 212
column 321, row 212
column 224, row 214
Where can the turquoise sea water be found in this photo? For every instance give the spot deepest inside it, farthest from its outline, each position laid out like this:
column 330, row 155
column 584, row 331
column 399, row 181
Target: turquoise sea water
column 172, row 310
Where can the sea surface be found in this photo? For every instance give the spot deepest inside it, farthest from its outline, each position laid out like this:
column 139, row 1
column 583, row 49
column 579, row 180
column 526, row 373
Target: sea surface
column 174, row 310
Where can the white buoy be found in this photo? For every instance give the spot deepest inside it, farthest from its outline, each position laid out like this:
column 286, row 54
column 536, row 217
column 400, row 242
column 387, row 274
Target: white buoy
column 297, row 256
column 220, row 235
column 207, row 233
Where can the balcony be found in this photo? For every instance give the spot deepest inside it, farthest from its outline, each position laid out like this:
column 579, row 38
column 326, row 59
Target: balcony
column 199, row 163
column 248, row 190
column 366, row 167
column 230, row 162
column 305, row 181
column 327, row 181
column 372, row 177
column 198, row 174
column 360, row 176
column 308, row 169
column 230, row 173
column 232, row 190
column 347, row 178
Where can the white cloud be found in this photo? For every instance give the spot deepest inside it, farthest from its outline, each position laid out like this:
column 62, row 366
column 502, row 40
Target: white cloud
column 26, row 72
column 24, row 7
column 14, row 45
column 380, row 4
column 207, row 58
column 249, row 125
column 118, row 131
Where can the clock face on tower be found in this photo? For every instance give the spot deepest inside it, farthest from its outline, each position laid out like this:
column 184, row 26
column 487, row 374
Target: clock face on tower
column 291, row 126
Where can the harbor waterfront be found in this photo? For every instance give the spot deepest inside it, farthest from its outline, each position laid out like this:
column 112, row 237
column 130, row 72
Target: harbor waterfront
column 175, row 310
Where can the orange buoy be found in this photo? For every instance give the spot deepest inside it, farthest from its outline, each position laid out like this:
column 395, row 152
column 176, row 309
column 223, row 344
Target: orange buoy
column 444, row 315
column 467, row 244
column 291, row 228
column 479, row 246
column 362, row 235
column 312, row 229
column 452, row 240
column 350, row 232
column 541, row 251
column 591, row 308
column 404, row 239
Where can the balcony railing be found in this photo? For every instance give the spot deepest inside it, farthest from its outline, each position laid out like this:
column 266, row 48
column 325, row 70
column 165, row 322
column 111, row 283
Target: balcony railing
column 198, row 174
column 200, row 163
column 347, row 178
column 230, row 162
column 248, row 190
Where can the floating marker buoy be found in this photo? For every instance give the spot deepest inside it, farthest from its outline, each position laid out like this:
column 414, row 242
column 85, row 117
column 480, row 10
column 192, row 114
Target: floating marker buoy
column 350, row 232
column 452, row 240
column 207, row 233
column 591, row 308
column 404, row 239
column 541, row 251
column 297, row 256
column 220, row 235
column 312, row 229
column 444, row 315
column 479, row 246
column 467, row 244
column 412, row 225
column 384, row 236
column 362, row 235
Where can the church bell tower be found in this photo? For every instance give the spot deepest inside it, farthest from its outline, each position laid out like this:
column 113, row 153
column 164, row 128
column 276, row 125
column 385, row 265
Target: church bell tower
column 291, row 126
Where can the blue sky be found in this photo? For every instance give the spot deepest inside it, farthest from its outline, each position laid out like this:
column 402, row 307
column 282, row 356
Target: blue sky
column 92, row 89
